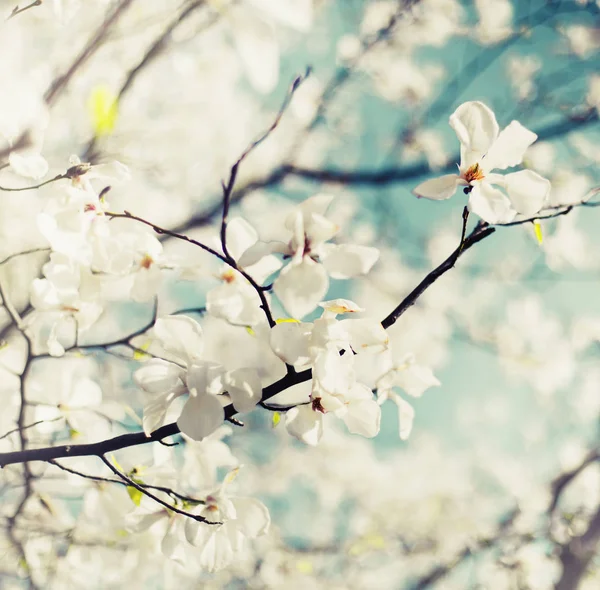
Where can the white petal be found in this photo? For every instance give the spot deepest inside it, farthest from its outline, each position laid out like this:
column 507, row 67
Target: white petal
column 206, row 377
column 156, row 410
column 305, row 424
column 336, row 306
column 86, row 393
column 509, row 148
column 301, row 286
column 216, row 552
column 158, row 376
column 476, row 127
column 181, row 336
column 240, row 236
column 364, row 414
column 290, row 342
column 227, row 301
column 415, row 379
column 244, row 388
column 201, row 416
column 315, row 205
column 257, row 47
column 260, row 250
column 366, row 334
column 439, row 188
column 253, row 518
column 30, row 165
column 319, row 229
column 334, row 373
column 490, row 204
column 527, row 191
column 406, row 414
column 348, row 260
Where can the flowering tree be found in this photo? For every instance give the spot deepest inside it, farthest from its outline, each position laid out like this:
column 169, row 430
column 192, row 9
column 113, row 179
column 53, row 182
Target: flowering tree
column 198, row 343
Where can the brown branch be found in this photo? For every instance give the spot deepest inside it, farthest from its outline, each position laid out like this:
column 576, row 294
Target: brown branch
column 481, row 231
column 139, row 488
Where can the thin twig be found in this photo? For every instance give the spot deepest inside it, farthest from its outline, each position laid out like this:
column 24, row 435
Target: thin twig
column 16, row 10
column 30, row 188
column 144, row 491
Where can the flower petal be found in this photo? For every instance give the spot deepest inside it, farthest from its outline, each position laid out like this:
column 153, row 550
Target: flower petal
column 244, row 388
column 344, row 261
column 201, row 416
column 364, row 413
column 476, row 128
column 253, row 518
column 490, row 204
column 301, row 286
column 158, row 376
column 290, row 342
column 181, row 336
column 439, row 188
column 406, row 415
column 527, row 191
column 305, row 424
column 509, row 148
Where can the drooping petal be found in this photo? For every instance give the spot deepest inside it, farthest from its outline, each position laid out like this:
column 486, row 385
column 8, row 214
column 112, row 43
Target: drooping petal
column 181, row 336
column 406, row 415
column 217, row 552
column 415, row 379
column 509, row 148
column 254, row 254
column 201, row 416
column 244, row 388
column 476, row 128
column 253, row 518
column 344, row 261
column 439, row 188
column 334, row 373
column 490, row 204
column 301, row 286
column 364, row 413
column 290, row 342
column 305, row 424
column 527, row 191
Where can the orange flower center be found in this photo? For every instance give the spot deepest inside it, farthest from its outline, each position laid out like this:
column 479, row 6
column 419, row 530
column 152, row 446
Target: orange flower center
column 474, row 173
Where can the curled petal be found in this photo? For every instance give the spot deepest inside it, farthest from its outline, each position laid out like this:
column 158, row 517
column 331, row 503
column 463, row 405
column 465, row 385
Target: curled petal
column 476, row 128
column 509, row 149
column 490, row 204
column 439, row 188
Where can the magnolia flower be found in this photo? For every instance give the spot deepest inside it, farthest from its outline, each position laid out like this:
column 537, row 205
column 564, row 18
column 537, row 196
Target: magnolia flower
column 204, row 381
column 241, row 519
column 235, row 300
column 335, row 388
column 483, row 149
column 304, row 281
